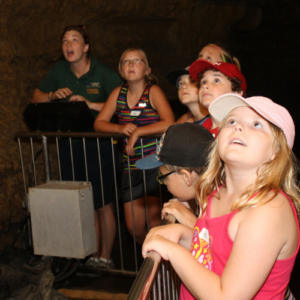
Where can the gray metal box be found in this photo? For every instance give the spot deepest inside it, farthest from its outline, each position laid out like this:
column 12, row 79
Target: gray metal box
column 62, row 219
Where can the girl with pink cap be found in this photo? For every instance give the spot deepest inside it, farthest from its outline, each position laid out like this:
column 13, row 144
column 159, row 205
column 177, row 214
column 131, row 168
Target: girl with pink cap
column 246, row 239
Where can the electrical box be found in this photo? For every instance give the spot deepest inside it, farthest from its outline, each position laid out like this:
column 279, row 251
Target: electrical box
column 62, row 219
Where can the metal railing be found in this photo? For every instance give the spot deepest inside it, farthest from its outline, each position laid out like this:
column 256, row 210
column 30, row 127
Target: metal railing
column 49, row 142
column 156, row 278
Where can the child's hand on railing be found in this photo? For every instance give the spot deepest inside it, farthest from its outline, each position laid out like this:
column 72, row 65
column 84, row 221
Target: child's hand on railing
column 181, row 211
column 131, row 142
column 161, row 239
column 127, row 129
column 158, row 244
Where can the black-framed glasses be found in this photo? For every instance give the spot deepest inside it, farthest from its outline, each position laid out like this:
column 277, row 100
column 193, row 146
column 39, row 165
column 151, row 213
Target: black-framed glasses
column 162, row 178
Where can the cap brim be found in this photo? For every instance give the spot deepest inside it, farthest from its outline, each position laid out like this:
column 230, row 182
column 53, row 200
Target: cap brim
column 174, row 75
column 199, row 66
column 222, row 105
column 149, row 162
column 269, row 110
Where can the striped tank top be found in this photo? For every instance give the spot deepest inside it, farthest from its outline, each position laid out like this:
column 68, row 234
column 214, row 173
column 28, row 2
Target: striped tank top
column 141, row 114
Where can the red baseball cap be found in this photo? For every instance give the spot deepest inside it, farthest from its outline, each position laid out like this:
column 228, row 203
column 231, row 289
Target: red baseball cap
column 228, row 69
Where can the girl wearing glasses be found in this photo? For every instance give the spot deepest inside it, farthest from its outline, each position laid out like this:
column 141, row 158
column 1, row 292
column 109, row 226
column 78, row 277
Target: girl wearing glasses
column 142, row 110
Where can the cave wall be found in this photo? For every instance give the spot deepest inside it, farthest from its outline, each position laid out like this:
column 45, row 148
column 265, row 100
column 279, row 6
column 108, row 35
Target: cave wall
column 260, row 33
column 270, row 56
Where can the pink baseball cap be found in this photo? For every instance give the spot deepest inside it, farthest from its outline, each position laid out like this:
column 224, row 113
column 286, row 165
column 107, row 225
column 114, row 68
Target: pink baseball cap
column 228, row 69
column 272, row 112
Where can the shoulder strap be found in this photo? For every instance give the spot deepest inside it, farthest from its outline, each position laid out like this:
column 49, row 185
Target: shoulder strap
column 203, row 120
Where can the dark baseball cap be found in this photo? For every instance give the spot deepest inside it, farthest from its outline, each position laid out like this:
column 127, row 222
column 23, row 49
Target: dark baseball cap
column 182, row 145
column 174, row 76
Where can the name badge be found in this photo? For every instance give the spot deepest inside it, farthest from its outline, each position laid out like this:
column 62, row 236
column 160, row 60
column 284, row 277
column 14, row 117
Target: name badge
column 92, row 91
column 135, row 113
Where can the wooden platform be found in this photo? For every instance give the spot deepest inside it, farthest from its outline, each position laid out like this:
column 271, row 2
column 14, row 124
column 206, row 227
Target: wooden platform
column 85, row 285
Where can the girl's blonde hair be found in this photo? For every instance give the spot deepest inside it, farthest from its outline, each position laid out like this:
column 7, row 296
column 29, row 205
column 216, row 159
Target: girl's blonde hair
column 230, row 58
column 149, row 78
column 278, row 174
column 227, row 56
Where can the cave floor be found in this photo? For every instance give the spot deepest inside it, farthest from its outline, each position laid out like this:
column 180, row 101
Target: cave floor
column 97, row 283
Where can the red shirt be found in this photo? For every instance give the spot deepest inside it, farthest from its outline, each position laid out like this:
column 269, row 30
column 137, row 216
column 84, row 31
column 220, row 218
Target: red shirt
column 208, row 124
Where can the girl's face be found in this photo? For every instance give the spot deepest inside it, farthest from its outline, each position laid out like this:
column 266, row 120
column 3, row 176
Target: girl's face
column 211, row 54
column 73, row 46
column 212, row 85
column 187, row 91
column 134, row 67
column 246, row 139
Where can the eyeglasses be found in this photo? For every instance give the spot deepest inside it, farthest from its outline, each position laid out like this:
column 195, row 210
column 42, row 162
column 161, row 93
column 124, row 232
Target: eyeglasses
column 135, row 61
column 162, row 179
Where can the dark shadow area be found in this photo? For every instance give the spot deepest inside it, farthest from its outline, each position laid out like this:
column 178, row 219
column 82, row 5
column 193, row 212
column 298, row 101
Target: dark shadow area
column 295, row 279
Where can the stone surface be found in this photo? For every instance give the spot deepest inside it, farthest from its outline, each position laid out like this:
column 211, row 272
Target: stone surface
column 171, row 32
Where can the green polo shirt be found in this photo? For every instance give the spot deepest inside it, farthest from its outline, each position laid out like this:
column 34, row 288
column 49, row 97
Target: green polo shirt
column 96, row 85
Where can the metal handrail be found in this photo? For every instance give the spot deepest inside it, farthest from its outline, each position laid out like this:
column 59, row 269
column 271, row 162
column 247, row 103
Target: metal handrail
column 144, row 281
column 44, row 138
column 59, row 134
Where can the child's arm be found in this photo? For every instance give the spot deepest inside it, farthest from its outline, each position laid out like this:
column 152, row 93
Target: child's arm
column 175, row 233
column 161, row 104
column 102, row 122
column 259, row 240
column 180, row 211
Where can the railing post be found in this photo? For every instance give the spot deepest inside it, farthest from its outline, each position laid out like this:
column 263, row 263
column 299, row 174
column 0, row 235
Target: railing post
column 46, row 157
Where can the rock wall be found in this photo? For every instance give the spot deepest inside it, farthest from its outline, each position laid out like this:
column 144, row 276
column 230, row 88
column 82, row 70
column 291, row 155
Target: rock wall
column 269, row 56
column 171, row 32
